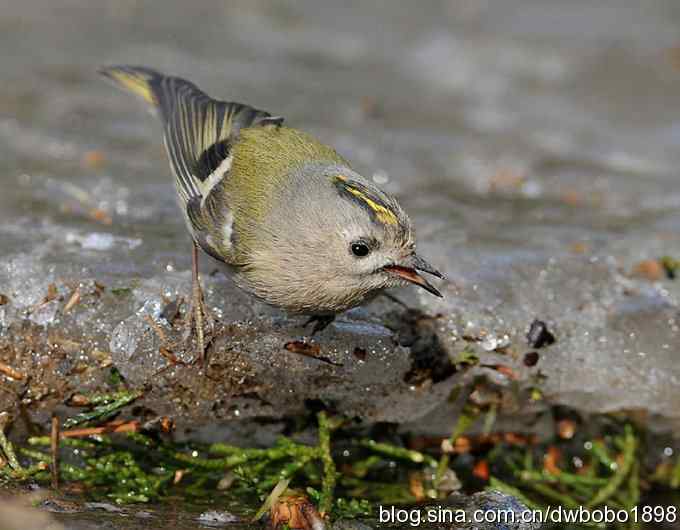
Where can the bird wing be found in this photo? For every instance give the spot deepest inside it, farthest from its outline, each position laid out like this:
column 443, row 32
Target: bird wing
column 199, row 131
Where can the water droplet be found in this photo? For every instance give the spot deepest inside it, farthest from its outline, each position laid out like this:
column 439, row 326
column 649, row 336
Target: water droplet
column 489, row 343
column 381, row 177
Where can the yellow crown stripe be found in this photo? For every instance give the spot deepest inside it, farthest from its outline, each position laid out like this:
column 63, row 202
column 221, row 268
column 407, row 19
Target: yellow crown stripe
column 383, row 214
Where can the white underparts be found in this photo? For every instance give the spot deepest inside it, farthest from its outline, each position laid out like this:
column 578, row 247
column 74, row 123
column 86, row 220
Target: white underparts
column 227, row 229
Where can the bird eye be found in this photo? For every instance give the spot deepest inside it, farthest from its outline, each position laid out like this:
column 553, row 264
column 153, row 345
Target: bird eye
column 360, row 249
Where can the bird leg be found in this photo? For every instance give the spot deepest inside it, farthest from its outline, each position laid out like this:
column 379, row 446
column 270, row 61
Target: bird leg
column 198, row 314
column 321, row 322
column 395, row 299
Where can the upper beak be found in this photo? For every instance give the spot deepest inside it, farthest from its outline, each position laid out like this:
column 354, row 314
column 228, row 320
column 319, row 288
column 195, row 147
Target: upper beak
column 408, row 270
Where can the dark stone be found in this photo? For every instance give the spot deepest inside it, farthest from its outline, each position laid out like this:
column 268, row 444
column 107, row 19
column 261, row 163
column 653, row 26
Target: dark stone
column 539, row 335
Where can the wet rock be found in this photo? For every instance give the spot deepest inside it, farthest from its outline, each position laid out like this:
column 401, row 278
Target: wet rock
column 487, row 510
column 494, row 503
column 18, row 514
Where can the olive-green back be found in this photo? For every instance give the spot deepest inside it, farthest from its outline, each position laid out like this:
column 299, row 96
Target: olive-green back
column 263, row 160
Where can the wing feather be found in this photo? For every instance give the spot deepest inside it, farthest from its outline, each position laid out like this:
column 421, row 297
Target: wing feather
column 198, row 130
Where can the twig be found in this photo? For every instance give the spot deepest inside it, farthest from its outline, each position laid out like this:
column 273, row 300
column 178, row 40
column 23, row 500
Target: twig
column 11, row 372
column 171, row 357
column 52, row 294
column 73, row 301
column 54, row 446
column 157, row 328
column 308, row 350
column 113, row 426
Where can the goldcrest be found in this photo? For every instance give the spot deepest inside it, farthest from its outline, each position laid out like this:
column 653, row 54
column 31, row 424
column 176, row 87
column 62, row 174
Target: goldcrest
column 295, row 224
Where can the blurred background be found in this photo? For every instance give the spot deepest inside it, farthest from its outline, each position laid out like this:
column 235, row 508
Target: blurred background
column 511, row 126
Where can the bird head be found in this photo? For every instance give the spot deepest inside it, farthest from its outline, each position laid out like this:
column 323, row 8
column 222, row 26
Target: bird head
column 333, row 240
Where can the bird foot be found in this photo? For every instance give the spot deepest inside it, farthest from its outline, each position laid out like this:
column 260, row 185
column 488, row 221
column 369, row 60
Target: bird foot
column 320, row 322
column 396, row 300
column 196, row 320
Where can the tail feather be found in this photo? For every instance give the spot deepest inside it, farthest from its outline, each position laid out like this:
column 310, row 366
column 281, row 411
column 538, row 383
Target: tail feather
column 199, row 131
column 139, row 80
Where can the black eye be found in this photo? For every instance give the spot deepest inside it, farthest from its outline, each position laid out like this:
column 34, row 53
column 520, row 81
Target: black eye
column 360, row 249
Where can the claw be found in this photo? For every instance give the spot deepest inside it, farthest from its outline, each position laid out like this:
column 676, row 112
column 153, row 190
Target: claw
column 197, row 318
column 198, row 314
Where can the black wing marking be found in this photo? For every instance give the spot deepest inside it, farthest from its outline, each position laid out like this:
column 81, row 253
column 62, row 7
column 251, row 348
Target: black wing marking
column 198, row 130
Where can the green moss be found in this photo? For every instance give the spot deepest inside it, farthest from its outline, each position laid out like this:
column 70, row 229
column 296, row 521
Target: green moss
column 121, row 291
column 671, row 266
column 675, row 475
column 341, row 473
column 105, row 406
column 609, row 474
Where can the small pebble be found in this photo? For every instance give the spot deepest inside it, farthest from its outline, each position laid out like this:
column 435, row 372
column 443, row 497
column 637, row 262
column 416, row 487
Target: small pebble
column 649, row 269
column 566, row 429
column 531, row 358
column 539, row 335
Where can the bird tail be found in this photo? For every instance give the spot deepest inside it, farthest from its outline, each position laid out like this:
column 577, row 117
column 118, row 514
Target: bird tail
column 199, row 130
column 158, row 90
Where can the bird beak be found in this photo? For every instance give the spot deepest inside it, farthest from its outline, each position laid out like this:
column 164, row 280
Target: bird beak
column 408, row 270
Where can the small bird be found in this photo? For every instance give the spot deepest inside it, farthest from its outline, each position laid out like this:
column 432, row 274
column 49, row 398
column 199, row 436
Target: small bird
column 295, row 224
